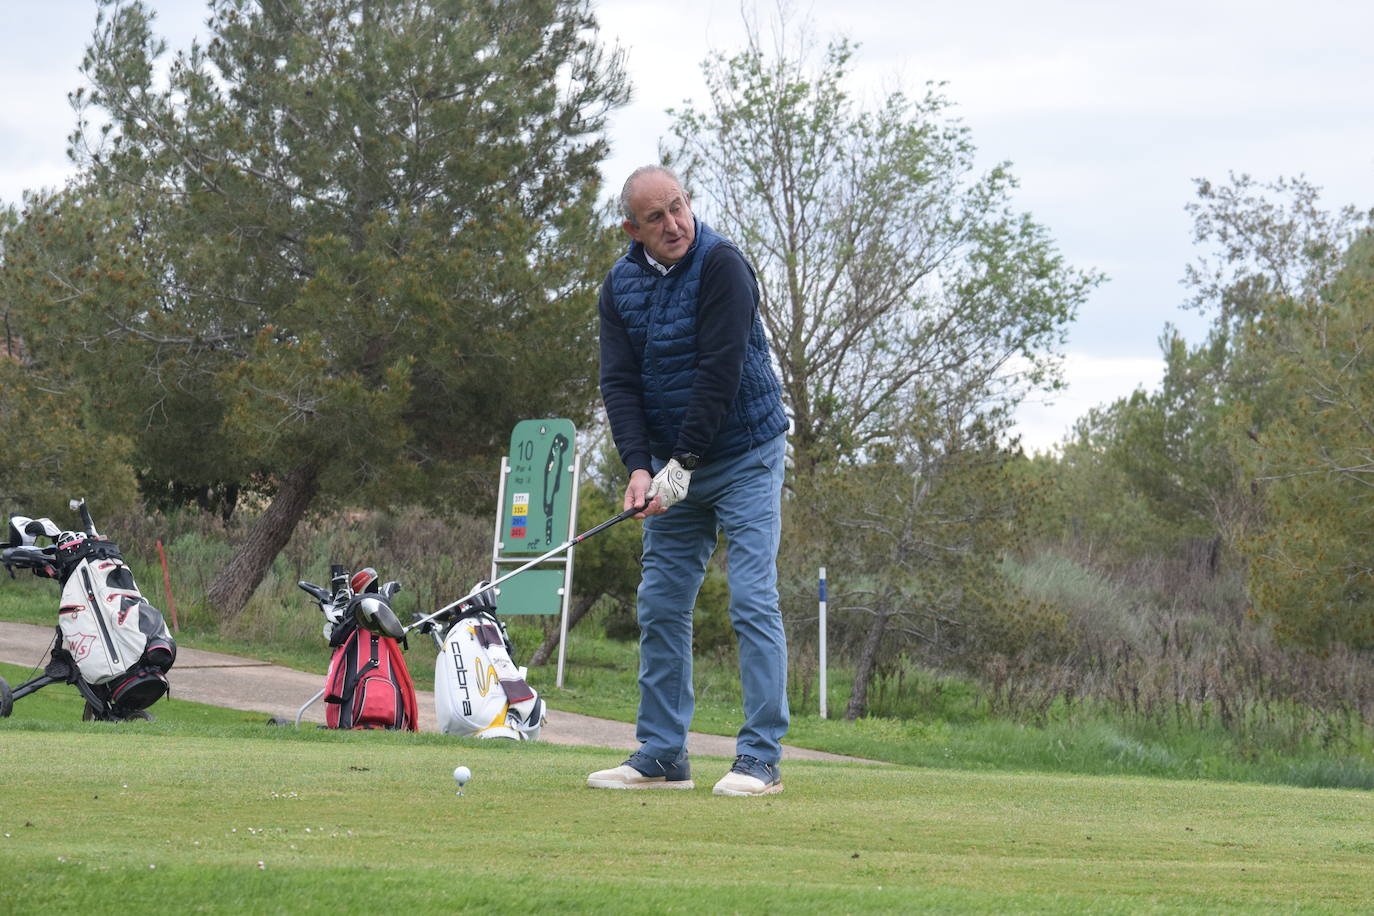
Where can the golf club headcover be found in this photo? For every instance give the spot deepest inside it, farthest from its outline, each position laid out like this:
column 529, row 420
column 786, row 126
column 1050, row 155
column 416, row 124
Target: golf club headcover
column 363, row 580
column 24, row 531
column 527, row 718
column 373, row 613
column 484, row 600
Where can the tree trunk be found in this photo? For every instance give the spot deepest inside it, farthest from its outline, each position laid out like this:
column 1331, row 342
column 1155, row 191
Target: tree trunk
column 863, row 671
column 244, row 572
column 578, row 611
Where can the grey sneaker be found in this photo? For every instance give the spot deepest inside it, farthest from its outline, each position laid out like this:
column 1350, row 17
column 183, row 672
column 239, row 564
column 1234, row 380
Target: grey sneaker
column 644, row 772
column 750, row 776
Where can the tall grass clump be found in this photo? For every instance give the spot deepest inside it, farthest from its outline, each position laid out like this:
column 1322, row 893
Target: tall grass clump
column 1170, row 644
column 436, row 559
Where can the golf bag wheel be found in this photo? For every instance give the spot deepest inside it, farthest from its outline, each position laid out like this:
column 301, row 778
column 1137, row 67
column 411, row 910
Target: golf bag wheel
column 90, row 714
column 6, row 699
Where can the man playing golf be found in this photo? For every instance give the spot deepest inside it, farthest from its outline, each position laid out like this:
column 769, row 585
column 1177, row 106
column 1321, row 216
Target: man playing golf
column 696, row 413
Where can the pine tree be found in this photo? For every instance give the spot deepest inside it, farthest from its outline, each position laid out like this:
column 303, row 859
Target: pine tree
column 335, row 252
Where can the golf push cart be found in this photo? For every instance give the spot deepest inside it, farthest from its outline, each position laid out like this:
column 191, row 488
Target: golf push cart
column 111, row 644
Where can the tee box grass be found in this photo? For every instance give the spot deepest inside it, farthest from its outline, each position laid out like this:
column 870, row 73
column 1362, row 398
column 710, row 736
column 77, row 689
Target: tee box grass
column 203, row 811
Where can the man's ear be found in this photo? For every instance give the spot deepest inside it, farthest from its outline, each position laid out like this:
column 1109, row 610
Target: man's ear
column 630, row 229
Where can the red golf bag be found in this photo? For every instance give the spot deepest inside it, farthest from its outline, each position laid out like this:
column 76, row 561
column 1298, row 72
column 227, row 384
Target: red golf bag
column 368, row 685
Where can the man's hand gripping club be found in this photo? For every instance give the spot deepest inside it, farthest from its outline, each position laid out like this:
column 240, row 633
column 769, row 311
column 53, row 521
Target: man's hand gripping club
column 659, row 492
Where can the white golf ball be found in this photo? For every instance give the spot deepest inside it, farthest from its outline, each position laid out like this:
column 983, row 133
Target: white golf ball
column 461, row 775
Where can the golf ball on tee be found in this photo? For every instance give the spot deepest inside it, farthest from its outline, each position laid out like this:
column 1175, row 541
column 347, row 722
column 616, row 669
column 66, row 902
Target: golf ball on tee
column 461, row 775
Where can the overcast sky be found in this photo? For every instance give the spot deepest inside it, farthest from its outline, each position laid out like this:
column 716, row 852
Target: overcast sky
column 1107, row 111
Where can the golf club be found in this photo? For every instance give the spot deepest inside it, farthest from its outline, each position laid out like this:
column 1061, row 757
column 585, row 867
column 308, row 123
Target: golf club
column 572, row 542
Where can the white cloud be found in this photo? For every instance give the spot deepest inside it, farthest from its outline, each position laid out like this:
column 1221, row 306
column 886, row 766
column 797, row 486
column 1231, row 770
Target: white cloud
column 1092, row 381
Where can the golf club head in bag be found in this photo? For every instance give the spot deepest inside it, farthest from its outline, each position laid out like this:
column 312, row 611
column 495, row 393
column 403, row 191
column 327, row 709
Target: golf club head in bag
column 368, row 684
column 25, row 531
column 364, row 580
column 372, row 611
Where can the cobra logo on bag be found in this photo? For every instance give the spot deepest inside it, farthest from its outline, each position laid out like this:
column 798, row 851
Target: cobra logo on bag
column 480, row 692
column 460, row 676
column 486, row 679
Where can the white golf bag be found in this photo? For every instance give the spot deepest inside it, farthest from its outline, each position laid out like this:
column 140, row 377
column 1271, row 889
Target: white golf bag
column 106, row 624
column 111, row 643
column 478, row 690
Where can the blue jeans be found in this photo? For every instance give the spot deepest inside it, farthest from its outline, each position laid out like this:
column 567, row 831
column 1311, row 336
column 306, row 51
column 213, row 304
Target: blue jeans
column 740, row 496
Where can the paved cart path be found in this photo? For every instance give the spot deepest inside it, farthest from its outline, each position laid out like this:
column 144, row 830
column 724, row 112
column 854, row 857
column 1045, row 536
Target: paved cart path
column 255, row 686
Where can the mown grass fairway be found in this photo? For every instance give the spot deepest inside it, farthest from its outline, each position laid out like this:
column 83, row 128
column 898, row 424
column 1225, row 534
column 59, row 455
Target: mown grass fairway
column 215, row 817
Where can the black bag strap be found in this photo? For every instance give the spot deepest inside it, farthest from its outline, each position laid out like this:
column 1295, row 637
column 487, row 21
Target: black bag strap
column 342, row 631
column 351, row 681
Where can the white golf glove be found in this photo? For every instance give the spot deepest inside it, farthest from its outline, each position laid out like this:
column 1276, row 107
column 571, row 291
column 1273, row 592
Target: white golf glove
column 670, row 484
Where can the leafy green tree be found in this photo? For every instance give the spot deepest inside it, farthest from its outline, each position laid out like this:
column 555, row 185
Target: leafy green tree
column 908, row 308
column 53, row 451
column 1269, row 242
column 1271, row 245
column 325, row 261
column 1091, row 506
column 893, row 275
column 1152, row 472
column 1176, row 454
column 1281, row 412
column 1312, row 458
column 913, row 546
column 1258, row 435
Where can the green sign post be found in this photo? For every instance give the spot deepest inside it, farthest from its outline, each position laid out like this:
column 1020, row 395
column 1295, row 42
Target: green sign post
column 537, row 512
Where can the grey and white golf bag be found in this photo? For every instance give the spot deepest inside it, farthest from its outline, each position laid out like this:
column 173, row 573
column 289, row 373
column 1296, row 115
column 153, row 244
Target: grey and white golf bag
column 478, row 690
column 111, row 643
column 112, row 633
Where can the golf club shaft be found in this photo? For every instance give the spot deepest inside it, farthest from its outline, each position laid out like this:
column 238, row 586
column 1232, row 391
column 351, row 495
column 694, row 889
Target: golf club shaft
column 628, row 513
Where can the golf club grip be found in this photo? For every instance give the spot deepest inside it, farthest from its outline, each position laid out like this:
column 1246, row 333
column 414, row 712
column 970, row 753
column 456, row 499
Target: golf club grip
column 628, row 513
column 87, row 520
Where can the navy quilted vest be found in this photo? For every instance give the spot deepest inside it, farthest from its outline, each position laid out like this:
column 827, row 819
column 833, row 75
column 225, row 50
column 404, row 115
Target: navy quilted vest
column 659, row 314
